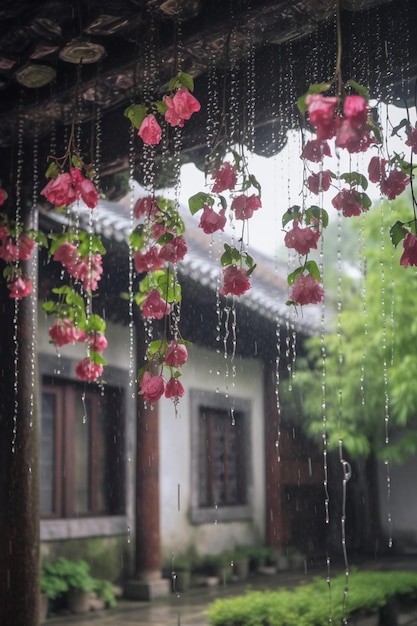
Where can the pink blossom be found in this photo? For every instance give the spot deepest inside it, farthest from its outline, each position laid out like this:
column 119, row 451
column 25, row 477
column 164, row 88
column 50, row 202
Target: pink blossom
column 67, row 254
column 211, row 221
column 88, row 193
column 409, row 256
column 411, row 140
column 25, row 246
column 88, row 370
column 301, row 239
column 97, row 341
column 150, row 132
column 180, row 107
column 155, row 307
column 348, row 201
column 315, row 150
column 320, row 181
column 146, row 206
column 151, row 387
column 244, row 206
column 19, row 288
column 60, row 190
column 63, row 332
column 9, row 251
column 224, row 178
column 3, row 196
column 306, row 290
column 355, row 109
column 352, row 137
column 174, row 389
column 376, row 169
column 322, row 114
column 87, row 270
column 176, row 354
column 394, row 184
column 148, row 261
column 235, row 281
column 174, row 250
column 159, row 229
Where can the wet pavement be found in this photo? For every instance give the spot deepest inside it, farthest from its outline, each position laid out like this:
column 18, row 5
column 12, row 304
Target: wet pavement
column 189, row 608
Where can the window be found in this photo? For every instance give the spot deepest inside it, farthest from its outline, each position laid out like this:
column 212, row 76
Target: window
column 220, row 458
column 81, row 450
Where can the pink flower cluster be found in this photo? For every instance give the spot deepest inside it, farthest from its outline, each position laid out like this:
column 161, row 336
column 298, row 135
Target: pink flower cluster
column 152, row 388
column 87, row 269
column 13, row 250
column 391, row 184
column 179, row 108
column 69, row 187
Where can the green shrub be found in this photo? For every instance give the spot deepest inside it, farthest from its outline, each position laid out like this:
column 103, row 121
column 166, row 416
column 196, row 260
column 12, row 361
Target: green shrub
column 312, row 604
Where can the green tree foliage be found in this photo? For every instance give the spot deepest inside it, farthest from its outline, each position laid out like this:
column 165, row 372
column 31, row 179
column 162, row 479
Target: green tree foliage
column 362, row 379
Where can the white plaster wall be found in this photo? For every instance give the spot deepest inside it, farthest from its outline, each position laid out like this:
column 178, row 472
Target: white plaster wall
column 177, row 532
column 402, row 503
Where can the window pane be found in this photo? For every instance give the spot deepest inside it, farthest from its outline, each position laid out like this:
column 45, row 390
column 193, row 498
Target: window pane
column 47, row 458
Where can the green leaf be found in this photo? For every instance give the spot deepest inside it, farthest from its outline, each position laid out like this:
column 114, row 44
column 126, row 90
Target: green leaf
column 250, row 270
column 137, row 237
column 165, row 238
column 313, row 269
column 248, row 260
column 360, row 89
column 53, row 170
column 61, row 291
column 403, row 124
column 230, row 256
column 76, row 161
column 198, row 200
column 318, row 214
column 316, row 88
column 355, row 178
column 364, row 200
column 159, row 346
column 292, row 277
column 97, row 357
column 398, row 232
column 255, row 183
column 96, row 323
column 136, row 114
column 49, row 306
column 223, row 202
column 186, row 80
column 293, row 213
column 161, row 107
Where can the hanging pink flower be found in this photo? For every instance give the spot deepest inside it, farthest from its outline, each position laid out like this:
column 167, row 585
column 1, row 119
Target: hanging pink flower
column 411, row 139
column 87, row 270
column 320, row 181
column 60, row 190
column 315, row 150
column 25, row 245
column 235, row 281
column 181, row 106
column 9, row 251
column 356, row 109
column 224, row 178
column 211, row 221
column 306, row 290
column 174, row 250
column 176, row 354
column 348, row 201
column 301, row 239
column 352, row 137
column 97, row 341
column 244, row 206
column 394, row 184
column 376, row 169
column 155, row 307
column 67, row 254
column 174, row 389
column 150, row 132
column 19, row 288
column 146, row 206
column 409, row 256
column 64, row 332
column 148, row 261
column 151, row 387
column 3, row 196
column 322, row 114
column 88, row 370
column 89, row 193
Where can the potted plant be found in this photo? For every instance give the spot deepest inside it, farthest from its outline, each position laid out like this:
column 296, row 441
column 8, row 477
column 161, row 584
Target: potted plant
column 241, row 559
column 80, row 583
column 180, row 574
column 52, row 586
